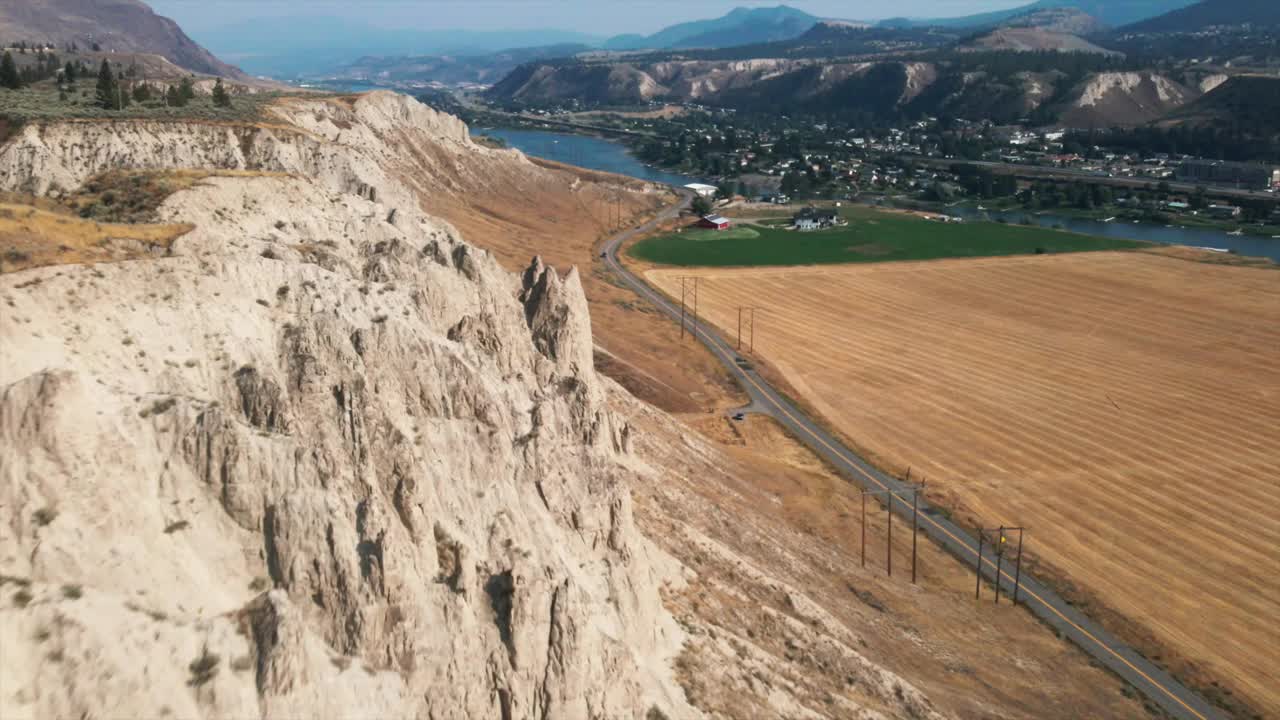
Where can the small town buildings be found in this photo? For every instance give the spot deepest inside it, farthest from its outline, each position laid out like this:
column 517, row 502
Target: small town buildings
column 714, row 222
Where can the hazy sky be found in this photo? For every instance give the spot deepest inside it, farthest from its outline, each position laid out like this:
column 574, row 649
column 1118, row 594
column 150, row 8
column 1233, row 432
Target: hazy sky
column 597, row 17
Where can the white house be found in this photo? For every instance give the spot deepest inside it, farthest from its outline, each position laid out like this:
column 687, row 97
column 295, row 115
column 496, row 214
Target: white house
column 704, row 190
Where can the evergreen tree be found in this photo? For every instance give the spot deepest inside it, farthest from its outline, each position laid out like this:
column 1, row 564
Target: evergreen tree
column 9, row 73
column 108, row 93
column 69, row 73
column 173, row 97
column 221, row 98
column 187, row 89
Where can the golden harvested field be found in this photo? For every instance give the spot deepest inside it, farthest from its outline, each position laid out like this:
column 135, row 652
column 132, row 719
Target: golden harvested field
column 1123, row 406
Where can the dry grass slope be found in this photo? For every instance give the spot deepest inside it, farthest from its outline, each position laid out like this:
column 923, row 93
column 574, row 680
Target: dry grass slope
column 1122, row 405
column 30, row 237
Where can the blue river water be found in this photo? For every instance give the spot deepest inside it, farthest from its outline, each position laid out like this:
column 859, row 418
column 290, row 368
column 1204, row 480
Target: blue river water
column 589, row 152
column 1251, row 245
column 599, row 154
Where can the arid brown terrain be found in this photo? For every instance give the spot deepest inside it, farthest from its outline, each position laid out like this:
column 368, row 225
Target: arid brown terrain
column 1121, row 405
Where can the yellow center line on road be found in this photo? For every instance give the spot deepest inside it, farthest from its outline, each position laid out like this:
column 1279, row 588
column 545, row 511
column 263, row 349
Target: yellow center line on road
column 710, row 342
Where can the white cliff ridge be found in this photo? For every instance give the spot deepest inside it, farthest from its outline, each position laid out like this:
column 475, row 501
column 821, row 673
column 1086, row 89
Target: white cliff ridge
column 323, row 460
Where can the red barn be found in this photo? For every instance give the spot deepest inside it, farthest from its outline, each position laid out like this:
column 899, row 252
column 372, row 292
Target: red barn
column 714, row 222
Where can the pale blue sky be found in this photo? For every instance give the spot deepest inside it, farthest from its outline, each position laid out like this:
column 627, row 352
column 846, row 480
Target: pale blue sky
column 598, row 17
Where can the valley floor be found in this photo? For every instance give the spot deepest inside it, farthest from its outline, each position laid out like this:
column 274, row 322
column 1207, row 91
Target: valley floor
column 765, row 525
column 1119, row 404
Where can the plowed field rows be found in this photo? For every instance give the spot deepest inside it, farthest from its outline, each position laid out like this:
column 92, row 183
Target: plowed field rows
column 1124, row 406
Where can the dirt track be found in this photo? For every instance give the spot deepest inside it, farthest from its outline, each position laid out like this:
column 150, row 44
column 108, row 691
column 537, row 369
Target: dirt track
column 1122, row 405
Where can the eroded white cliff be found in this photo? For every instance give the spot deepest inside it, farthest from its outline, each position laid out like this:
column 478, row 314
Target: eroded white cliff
column 325, row 460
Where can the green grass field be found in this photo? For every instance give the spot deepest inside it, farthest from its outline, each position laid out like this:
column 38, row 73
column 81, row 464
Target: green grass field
column 871, row 236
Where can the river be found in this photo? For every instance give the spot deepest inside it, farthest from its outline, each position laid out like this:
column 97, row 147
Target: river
column 609, row 156
column 589, row 152
column 1251, row 245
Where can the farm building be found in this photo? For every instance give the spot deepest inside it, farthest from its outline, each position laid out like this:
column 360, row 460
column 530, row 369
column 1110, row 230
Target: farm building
column 714, row 222
column 705, row 191
column 814, row 219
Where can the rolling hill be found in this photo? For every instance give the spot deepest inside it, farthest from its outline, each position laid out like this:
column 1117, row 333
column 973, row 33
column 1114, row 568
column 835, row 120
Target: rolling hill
column 1210, row 13
column 1244, row 104
column 1079, row 89
column 742, row 26
column 1110, row 12
column 452, row 69
column 119, row 26
column 300, row 46
column 1058, row 29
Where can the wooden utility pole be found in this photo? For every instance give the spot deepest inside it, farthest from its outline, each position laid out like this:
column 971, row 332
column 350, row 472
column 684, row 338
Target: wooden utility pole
column 739, row 327
column 915, row 511
column 864, row 529
column 695, row 307
column 694, row 330
column 682, row 308
column 1017, row 574
column 888, row 510
column 999, row 559
column 977, row 586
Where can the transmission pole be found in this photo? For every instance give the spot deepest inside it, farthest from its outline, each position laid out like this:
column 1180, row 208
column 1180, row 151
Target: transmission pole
column 999, row 559
column 977, row 586
column 694, row 329
column 1017, row 574
column 915, row 510
column 682, row 307
column 888, row 509
column 864, row 529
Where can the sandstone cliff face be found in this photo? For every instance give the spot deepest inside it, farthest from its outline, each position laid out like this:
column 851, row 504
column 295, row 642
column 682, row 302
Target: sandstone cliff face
column 1125, row 98
column 325, row 460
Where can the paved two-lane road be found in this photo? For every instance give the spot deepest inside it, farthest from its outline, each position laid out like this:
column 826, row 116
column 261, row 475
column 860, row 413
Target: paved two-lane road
column 1153, row 682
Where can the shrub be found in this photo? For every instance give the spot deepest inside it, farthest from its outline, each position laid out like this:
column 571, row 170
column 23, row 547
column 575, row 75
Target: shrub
column 44, row 515
column 203, row 668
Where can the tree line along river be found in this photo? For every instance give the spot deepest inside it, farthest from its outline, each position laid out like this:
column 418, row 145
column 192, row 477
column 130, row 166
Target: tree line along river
column 609, row 156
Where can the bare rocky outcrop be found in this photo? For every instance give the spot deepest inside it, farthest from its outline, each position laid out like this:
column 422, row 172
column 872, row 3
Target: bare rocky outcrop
column 1125, row 98
column 388, row 485
column 323, row 459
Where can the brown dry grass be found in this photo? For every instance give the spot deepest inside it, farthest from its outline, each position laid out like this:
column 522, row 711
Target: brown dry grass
column 780, row 511
column 32, row 237
column 961, row 654
column 1124, row 406
column 563, row 215
column 112, row 217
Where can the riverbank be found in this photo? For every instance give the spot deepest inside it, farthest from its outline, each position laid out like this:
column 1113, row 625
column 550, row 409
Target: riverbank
column 593, row 153
column 1116, row 213
column 869, row 236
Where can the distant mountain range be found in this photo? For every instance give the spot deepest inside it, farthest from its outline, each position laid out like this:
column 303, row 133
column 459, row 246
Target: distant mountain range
column 742, row 26
column 297, row 46
column 451, row 69
column 118, row 26
column 1110, row 12
column 1053, row 75
column 1211, row 13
